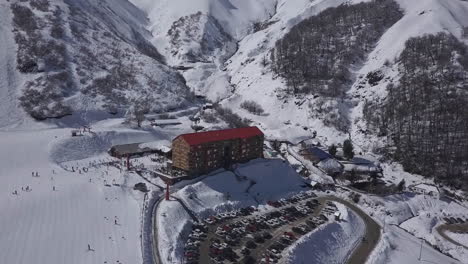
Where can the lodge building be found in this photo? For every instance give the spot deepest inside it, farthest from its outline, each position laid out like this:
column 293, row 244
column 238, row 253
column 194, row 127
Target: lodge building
column 198, row 153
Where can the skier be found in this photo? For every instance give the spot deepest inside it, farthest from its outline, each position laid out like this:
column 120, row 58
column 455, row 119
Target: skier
column 53, row 188
column 37, row 174
column 115, row 222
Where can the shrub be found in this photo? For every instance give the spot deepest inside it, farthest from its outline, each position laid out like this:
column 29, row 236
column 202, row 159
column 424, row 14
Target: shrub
column 210, row 117
column 231, row 118
column 24, row 18
column 332, row 150
column 252, row 107
column 348, row 149
column 41, row 5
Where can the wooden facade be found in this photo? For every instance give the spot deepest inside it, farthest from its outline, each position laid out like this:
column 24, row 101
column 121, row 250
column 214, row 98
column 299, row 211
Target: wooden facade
column 216, row 150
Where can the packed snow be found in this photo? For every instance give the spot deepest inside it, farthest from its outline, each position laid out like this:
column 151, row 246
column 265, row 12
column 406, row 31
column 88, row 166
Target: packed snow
column 399, row 247
column 53, row 217
column 330, row 243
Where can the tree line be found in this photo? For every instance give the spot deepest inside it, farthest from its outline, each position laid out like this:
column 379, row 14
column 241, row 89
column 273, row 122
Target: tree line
column 316, row 55
column 424, row 115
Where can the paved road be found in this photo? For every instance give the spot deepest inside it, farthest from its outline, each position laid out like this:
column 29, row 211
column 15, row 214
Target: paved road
column 371, row 238
column 454, row 227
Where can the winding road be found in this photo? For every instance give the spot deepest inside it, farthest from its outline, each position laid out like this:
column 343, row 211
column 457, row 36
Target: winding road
column 453, row 227
column 371, row 238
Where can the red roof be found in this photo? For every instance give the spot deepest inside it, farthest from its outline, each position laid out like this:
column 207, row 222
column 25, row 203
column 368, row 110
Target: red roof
column 219, row 135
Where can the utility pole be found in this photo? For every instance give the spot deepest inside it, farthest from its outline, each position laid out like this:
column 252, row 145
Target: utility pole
column 128, row 162
column 167, row 191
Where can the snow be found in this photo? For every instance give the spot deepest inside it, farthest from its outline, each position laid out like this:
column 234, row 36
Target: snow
column 253, row 183
column 46, row 226
column 461, row 238
column 421, row 17
column 330, row 243
column 330, row 165
column 163, row 145
column 11, row 113
column 399, row 247
column 172, row 221
column 418, row 214
column 426, row 188
column 236, row 16
column 223, row 191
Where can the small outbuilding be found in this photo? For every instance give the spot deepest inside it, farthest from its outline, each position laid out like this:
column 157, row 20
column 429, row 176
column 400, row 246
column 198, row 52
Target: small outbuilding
column 315, row 154
column 331, row 166
column 130, row 150
column 426, row 189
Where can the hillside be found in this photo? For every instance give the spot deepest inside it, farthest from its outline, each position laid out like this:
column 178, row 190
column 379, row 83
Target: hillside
column 146, row 70
column 336, row 104
column 85, row 57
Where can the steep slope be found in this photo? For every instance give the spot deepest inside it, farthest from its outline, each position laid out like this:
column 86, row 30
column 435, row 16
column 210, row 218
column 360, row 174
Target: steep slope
column 286, row 117
column 294, row 117
column 199, row 36
column 9, row 105
column 86, row 57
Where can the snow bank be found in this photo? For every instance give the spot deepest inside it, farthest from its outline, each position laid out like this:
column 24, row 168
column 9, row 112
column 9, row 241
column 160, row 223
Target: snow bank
column 331, row 243
column 399, row 247
column 173, row 223
column 461, row 238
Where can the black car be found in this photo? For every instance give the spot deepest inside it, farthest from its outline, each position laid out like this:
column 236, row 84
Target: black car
column 250, row 244
column 249, row 260
column 267, row 235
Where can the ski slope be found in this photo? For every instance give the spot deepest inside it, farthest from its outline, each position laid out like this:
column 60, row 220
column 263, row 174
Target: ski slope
column 46, row 226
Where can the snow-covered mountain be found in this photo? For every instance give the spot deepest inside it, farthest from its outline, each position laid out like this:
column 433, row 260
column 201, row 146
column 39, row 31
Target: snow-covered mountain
column 224, row 50
column 83, row 57
column 81, row 61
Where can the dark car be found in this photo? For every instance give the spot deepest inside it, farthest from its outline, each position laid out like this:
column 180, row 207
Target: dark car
column 249, row 260
column 267, row 235
column 250, row 244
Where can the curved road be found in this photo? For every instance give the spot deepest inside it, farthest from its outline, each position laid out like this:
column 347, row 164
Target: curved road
column 454, row 227
column 371, row 238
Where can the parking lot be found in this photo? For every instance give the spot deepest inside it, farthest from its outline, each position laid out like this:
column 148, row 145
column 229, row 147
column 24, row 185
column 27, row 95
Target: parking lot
column 250, row 236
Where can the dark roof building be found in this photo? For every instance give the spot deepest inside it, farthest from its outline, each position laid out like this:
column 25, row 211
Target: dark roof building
column 315, row 154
